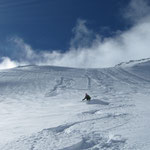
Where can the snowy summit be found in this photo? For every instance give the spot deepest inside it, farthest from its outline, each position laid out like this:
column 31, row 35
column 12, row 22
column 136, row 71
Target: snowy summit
column 41, row 108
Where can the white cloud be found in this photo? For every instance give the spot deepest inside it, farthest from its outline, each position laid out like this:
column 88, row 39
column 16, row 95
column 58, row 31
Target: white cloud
column 87, row 49
column 6, row 63
column 83, row 37
column 137, row 11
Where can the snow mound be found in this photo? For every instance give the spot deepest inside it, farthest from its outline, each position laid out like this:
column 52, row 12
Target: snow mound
column 63, row 138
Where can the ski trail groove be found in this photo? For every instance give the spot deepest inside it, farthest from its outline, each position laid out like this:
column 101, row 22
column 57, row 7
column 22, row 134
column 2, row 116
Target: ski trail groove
column 53, row 92
column 88, row 82
column 133, row 76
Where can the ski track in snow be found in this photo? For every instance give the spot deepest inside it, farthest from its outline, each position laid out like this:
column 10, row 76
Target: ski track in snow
column 41, row 108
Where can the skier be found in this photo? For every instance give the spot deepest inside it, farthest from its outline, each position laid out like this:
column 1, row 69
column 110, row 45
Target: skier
column 87, row 97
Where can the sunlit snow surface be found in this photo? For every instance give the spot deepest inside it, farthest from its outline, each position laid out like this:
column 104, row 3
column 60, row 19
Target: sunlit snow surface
column 41, row 108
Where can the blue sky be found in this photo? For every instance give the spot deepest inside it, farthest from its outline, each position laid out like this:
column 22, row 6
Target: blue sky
column 48, row 24
column 73, row 33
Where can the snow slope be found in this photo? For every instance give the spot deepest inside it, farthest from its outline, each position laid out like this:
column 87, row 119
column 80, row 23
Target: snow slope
column 41, row 108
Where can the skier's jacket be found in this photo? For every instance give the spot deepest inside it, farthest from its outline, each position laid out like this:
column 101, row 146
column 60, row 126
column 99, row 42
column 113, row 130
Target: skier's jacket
column 87, row 97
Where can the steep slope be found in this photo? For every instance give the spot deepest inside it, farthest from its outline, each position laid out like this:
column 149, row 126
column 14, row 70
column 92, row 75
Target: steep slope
column 41, row 108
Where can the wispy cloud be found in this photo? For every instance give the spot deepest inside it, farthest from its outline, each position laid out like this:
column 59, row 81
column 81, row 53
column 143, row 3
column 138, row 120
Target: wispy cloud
column 88, row 49
column 137, row 11
column 83, row 37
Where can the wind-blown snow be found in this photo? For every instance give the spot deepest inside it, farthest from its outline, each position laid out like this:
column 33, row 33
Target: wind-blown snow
column 41, row 108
